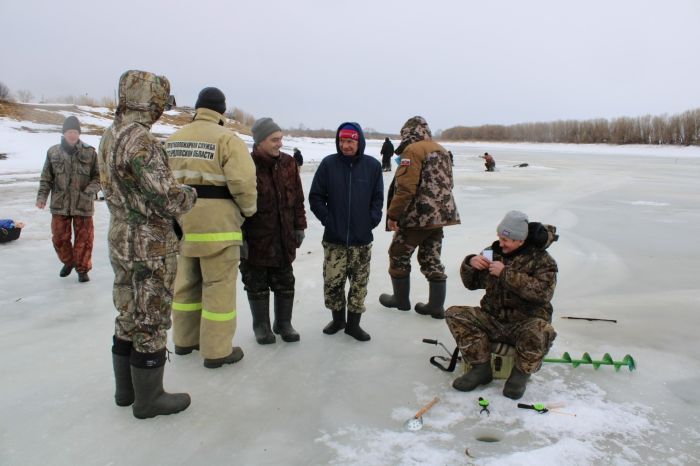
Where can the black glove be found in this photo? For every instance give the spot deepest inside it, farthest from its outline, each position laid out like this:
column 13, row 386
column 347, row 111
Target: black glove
column 299, row 235
column 244, row 250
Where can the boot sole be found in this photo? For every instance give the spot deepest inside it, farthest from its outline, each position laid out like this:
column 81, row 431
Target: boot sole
column 185, row 350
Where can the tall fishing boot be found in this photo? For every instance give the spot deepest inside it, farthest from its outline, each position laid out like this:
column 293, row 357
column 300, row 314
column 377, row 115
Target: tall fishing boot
column 353, row 327
column 150, row 398
column 121, row 351
column 283, row 318
column 260, row 308
column 436, row 301
column 399, row 299
column 515, row 385
column 479, row 374
column 337, row 324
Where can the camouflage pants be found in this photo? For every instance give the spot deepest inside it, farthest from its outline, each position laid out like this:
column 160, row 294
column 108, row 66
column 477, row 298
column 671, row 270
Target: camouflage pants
column 474, row 330
column 429, row 244
column 78, row 254
column 340, row 264
column 259, row 280
column 142, row 294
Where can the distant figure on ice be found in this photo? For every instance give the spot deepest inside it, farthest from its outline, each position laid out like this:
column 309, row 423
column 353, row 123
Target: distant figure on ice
column 273, row 235
column 452, row 158
column 215, row 161
column 519, row 280
column 72, row 177
column 421, row 205
column 298, row 158
column 145, row 202
column 489, row 162
column 346, row 195
column 387, row 152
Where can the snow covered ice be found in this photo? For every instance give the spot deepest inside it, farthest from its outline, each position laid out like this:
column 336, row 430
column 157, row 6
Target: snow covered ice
column 629, row 225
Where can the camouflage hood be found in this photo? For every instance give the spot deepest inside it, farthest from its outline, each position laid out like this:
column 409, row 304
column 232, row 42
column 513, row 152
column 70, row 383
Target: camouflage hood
column 414, row 130
column 142, row 97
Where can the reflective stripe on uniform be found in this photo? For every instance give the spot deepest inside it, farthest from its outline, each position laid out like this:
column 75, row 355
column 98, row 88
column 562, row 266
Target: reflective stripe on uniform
column 187, row 306
column 208, row 237
column 218, row 316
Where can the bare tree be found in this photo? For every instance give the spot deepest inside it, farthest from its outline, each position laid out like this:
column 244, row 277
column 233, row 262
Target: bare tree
column 4, row 92
column 25, row 95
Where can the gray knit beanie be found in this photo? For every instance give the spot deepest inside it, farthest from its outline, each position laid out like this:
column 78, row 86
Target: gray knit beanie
column 71, row 123
column 513, row 226
column 262, row 128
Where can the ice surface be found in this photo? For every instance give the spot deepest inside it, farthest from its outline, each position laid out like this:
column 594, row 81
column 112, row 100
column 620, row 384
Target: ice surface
column 629, row 223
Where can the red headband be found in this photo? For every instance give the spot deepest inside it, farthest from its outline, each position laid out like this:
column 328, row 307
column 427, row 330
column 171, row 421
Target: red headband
column 349, row 134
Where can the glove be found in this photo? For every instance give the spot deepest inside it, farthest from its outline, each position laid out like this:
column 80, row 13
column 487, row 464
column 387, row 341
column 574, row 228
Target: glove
column 299, row 235
column 244, row 250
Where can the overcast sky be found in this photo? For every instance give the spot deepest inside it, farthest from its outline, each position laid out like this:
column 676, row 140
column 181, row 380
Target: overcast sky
column 322, row 62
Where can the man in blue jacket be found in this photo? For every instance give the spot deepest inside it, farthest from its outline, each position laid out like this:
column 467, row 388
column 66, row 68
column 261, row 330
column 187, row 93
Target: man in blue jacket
column 347, row 195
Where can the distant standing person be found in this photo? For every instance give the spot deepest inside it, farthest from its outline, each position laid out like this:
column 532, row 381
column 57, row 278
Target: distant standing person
column 145, row 202
column 273, row 235
column 452, row 158
column 298, row 158
column 387, row 152
column 213, row 160
column 346, row 195
column 489, row 162
column 422, row 204
column 72, row 177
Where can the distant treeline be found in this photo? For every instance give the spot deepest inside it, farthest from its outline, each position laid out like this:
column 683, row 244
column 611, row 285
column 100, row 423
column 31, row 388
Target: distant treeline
column 681, row 129
column 330, row 133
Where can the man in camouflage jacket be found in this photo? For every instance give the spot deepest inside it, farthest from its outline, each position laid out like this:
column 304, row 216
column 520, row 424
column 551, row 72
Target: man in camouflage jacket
column 421, row 205
column 71, row 175
column 519, row 278
column 145, row 202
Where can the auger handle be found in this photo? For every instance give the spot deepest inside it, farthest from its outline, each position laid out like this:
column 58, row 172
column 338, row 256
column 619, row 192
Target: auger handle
column 429, row 341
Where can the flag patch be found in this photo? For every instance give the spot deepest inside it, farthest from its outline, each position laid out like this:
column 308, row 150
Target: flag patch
column 405, row 162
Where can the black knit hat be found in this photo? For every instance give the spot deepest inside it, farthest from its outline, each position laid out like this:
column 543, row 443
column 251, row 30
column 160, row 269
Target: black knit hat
column 71, row 123
column 211, row 98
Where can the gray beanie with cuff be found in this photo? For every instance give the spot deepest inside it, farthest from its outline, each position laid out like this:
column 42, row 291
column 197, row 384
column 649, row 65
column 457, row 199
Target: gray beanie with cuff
column 262, row 128
column 513, row 226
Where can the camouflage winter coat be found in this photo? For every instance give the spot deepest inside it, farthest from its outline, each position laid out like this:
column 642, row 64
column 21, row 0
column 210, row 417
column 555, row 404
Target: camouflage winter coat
column 215, row 161
column 526, row 285
column 144, row 199
column 270, row 232
column 72, row 177
column 422, row 197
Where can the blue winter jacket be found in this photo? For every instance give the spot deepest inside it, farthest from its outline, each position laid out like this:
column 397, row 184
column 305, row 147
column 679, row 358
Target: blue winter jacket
column 347, row 195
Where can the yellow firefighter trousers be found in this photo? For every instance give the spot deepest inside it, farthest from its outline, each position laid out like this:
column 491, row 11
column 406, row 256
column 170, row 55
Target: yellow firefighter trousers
column 204, row 305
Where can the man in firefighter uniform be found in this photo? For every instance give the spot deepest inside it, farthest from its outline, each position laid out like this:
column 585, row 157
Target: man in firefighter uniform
column 213, row 160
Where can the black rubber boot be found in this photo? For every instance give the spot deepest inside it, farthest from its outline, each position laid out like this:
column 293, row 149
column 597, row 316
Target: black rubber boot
column 283, row 318
column 399, row 300
column 260, row 308
column 479, row 374
column 515, row 385
column 335, row 325
column 235, row 356
column 150, row 399
column 436, row 301
column 184, row 350
column 83, row 277
column 65, row 271
column 121, row 351
column 353, row 327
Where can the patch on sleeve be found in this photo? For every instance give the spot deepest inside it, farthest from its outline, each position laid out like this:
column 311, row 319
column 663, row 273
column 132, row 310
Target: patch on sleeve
column 405, row 163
